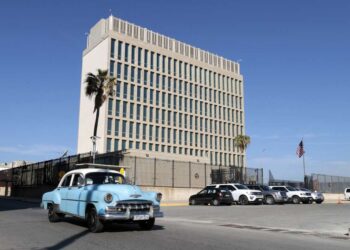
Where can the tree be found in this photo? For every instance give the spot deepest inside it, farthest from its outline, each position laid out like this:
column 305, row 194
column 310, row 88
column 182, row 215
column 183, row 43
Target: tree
column 242, row 142
column 98, row 86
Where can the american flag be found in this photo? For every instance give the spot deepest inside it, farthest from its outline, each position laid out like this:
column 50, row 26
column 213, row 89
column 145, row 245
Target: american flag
column 300, row 149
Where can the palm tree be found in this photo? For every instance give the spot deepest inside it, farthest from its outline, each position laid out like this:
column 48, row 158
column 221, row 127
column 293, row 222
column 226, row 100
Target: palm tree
column 99, row 86
column 242, row 142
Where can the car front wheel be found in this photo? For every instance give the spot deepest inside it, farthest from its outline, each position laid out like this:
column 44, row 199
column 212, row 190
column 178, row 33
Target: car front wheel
column 215, row 202
column 52, row 215
column 147, row 224
column 269, row 200
column 243, row 200
column 94, row 223
column 192, row 202
column 296, row 200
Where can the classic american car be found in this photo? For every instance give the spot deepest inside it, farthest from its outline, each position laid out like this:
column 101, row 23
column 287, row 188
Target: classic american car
column 100, row 196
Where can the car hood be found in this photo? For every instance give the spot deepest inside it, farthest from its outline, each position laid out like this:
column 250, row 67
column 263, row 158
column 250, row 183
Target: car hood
column 123, row 191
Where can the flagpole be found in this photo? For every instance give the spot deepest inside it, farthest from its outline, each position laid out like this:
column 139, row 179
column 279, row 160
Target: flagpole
column 304, row 163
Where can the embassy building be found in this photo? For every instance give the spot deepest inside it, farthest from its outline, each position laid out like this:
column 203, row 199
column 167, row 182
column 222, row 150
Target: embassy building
column 171, row 100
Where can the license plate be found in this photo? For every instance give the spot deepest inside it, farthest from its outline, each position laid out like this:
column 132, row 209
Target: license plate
column 141, row 217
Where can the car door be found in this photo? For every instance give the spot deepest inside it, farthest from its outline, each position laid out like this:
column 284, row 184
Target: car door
column 201, row 196
column 211, row 195
column 63, row 189
column 75, row 205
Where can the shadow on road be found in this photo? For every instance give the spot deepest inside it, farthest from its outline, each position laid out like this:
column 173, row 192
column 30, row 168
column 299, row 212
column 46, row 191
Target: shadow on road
column 112, row 227
column 62, row 244
column 9, row 204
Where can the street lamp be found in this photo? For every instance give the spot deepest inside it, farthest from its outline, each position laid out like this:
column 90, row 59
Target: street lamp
column 94, row 139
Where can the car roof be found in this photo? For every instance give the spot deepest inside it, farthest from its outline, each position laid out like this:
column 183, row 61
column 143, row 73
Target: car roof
column 85, row 171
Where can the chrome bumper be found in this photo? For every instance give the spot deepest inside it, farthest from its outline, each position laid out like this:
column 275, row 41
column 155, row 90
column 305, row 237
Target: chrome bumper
column 129, row 215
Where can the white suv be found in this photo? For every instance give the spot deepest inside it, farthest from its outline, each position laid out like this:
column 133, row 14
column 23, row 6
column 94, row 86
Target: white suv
column 294, row 195
column 241, row 194
column 347, row 193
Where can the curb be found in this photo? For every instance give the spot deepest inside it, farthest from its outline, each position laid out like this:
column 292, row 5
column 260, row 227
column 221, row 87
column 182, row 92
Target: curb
column 180, row 204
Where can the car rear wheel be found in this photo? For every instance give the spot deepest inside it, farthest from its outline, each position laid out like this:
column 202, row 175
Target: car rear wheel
column 243, row 200
column 319, row 202
column 94, row 223
column 269, row 200
column 52, row 215
column 296, row 200
column 147, row 224
column 215, row 202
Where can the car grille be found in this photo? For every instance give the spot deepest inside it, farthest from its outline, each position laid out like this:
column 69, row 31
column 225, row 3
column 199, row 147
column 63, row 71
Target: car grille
column 308, row 194
column 256, row 193
column 134, row 205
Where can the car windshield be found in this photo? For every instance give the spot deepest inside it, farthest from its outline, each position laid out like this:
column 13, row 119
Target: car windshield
column 265, row 188
column 291, row 189
column 241, row 186
column 104, row 178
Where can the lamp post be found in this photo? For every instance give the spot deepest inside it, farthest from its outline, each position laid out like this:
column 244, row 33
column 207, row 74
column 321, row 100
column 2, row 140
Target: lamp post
column 94, row 139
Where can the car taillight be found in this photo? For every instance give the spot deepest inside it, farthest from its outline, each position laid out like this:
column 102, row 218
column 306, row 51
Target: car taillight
column 220, row 194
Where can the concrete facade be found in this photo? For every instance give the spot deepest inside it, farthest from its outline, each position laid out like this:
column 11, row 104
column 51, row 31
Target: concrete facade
column 171, row 100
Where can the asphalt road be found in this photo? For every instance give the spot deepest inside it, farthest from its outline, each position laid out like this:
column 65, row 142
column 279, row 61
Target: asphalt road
column 25, row 226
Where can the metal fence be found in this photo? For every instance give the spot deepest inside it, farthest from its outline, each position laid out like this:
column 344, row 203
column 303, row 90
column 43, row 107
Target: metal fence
column 34, row 179
column 328, row 183
column 238, row 175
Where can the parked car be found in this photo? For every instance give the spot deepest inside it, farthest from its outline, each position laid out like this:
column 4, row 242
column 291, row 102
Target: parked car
column 316, row 196
column 211, row 195
column 241, row 194
column 347, row 193
column 270, row 196
column 99, row 196
column 294, row 195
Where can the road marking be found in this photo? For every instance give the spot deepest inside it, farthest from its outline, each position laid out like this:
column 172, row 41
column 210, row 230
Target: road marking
column 186, row 220
column 285, row 230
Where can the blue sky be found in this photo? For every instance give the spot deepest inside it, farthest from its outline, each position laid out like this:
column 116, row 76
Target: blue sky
column 294, row 57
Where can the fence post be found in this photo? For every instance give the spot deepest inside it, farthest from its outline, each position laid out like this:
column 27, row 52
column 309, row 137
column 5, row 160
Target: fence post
column 205, row 174
column 173, row 174
column 32, row 174
column 155, row 172
column 135, row 171
column 189, row 175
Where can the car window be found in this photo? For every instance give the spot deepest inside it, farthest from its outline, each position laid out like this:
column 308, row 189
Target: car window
column 204, row 191
column 78, row 178
column 348, row 190
column 265, row 188
column 104, row 178
column 291, row 188
column 211, row 191
column 66, row 181
column 241, row 186
column 280, row 189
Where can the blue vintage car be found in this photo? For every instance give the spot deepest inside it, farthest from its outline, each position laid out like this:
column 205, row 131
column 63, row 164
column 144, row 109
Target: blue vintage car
column 99, row 196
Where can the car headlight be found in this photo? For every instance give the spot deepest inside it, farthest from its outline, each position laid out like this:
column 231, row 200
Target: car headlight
column 108, row 198
column 159, row 197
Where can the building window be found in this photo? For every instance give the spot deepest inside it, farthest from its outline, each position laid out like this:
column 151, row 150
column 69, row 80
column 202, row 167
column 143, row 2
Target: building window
column 123, row 145
column 124, row 129
column 138, row 112
column 157, row 98
column 132, row 73
column 138, row 75
column 150, row 132
column 131, row 127
column 116, row 127
column 109, row 126
column 110, row 106
column 144, row 113
column 139, row 56
column 138, row 93
column 117, row 92
column 131, row 111
column 125, row 93
column 150, row 114
column 120, row 44
column 117, row 108
column 145, row 74
column 138, row 130
column 126, row 67
column 145, row 58
column 119, row 70
column 126, row 55
column 133, row 54
column 152, row 59
column 111, row 68
column 125, row 109
column 109, row 144
column 145, row 95
column 144, row 129
column 112, row 47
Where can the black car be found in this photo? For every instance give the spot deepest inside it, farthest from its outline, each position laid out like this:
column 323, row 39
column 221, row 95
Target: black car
column 213, row 196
